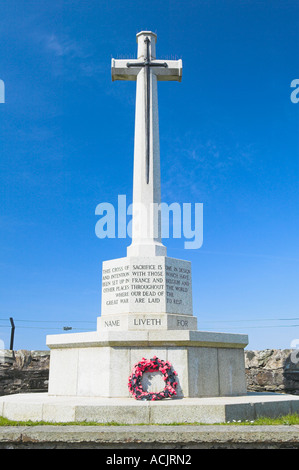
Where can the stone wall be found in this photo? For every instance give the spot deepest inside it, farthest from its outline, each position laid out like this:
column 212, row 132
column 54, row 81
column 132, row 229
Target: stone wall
column 270, row 370
column 23, row 371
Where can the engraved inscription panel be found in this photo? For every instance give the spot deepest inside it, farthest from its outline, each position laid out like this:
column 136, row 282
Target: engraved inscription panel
column 178, row 286
column 149, row 285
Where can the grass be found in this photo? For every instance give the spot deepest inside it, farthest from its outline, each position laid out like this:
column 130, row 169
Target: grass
column 290, row 419
column 286, row 420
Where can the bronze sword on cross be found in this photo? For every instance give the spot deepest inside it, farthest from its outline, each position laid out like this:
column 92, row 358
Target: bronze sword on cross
column 148, row 64
column 146, row 70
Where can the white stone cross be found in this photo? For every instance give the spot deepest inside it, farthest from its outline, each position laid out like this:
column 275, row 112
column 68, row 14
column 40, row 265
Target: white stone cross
column 146, row 70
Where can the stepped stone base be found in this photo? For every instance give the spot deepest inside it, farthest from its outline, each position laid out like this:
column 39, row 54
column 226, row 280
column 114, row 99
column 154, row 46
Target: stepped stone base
column 99, row 364
column 43, row 407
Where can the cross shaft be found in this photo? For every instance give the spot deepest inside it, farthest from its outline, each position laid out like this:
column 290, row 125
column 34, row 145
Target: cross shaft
column 147, row 63
column 146, row 70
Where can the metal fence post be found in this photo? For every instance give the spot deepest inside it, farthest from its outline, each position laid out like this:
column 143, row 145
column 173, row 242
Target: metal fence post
column 12, row 334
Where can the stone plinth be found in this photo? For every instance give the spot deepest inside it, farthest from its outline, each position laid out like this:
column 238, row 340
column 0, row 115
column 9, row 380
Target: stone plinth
column 146, row 293
column 146, row 312
column 98, row 364
column 148, row 321
column 156, row 284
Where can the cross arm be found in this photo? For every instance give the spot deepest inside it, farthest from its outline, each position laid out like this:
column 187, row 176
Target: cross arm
column 120, row 70
column 127, row 69
column 172, row 72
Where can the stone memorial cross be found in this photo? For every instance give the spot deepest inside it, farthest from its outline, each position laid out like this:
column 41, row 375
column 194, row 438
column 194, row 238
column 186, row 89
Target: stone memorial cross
column 146, row 305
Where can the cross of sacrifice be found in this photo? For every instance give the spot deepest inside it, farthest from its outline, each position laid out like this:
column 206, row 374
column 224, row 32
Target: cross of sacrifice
column 146, row 70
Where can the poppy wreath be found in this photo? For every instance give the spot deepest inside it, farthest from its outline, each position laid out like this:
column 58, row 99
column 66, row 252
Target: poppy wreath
column 152, row 365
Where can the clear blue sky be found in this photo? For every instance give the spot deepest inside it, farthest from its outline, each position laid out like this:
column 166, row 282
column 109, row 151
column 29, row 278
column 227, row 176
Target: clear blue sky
column 228, row 138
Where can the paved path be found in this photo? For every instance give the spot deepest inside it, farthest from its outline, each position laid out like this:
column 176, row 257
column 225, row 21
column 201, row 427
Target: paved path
column 149, row 437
